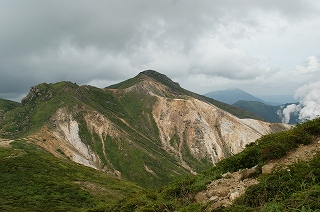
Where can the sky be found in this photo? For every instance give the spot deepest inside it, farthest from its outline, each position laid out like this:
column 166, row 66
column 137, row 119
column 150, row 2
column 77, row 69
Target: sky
column 264, row 47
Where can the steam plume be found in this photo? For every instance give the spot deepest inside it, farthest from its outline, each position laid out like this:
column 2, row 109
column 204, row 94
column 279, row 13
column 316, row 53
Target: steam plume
column 309, row 103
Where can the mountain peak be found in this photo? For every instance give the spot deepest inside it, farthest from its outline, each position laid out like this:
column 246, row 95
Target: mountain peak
column 161, row 78
column 145, row 81
column 234, row 89
column 231, row 95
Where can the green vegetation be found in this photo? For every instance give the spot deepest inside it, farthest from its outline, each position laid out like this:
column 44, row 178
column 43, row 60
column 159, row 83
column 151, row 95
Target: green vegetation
column 294, row 188
column 267, row 112
column 6, row 105
column 31, row 179
column 38, row 107
column 285, row 190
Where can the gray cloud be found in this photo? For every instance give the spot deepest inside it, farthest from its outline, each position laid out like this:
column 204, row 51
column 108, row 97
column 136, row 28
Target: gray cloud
column 110, row 41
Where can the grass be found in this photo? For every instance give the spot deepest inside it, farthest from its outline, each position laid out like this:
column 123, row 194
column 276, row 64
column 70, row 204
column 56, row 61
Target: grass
column 6, row 105
column 296, row 188
column 33, row 180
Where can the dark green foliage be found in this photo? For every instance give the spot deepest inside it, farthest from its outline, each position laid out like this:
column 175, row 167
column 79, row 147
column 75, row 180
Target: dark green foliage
column 33, row 180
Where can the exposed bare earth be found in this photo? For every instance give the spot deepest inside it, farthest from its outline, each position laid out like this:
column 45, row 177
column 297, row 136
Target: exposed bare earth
column 225, row 191
column 5, row 143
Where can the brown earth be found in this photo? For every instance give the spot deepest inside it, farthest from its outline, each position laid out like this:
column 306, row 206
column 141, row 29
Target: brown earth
column 5, row 143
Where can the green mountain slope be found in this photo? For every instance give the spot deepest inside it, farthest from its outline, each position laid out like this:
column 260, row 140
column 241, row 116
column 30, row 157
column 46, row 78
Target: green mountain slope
column 31, row 179
column 6, row 105
column 267, row 112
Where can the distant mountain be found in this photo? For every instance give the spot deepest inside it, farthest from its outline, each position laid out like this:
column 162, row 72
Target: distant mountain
column 231, row 96
column 267, row 112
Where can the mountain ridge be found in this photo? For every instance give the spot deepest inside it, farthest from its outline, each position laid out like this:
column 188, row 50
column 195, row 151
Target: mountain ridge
column 146, row 129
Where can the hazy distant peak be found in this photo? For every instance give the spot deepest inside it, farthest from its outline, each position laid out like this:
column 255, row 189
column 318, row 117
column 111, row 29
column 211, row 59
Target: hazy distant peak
column 231, row 95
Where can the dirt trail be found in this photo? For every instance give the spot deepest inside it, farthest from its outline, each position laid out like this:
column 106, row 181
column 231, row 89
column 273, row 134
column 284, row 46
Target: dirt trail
column 225, row 191
column 303, row 152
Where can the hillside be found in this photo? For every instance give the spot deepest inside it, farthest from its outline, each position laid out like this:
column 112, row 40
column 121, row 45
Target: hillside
column 292, row 185
column 146, row 129
column 6, row 105
column 267, row 112
column 31, row 179
column 231, row 96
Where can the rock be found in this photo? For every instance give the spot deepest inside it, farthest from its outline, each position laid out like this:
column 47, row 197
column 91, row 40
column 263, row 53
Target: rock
column 234, row 196
column 247, row 173
column 214, row 199
column 267, row 169
column 226, row 175
column 222, row 192
column 210, row 193
column 201, row 197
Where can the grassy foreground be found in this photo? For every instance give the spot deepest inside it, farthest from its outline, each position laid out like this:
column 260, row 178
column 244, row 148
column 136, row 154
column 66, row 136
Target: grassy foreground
column 33, row 180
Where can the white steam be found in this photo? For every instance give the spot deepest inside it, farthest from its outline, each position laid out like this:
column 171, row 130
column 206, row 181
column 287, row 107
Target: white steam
column 309, row 103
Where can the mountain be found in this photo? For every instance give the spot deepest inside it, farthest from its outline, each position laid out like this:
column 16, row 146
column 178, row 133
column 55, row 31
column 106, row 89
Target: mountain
column 146, row 129
column 267, row 112
column 231, row 95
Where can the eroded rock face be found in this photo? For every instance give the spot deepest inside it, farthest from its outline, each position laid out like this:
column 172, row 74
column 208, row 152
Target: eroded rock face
column 208, row 131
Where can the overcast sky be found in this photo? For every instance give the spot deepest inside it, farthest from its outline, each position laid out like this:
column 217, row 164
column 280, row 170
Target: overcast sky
column 260, row 46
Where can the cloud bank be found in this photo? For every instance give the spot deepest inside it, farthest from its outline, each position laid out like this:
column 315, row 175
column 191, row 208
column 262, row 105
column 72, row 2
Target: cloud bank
column 205, row 46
